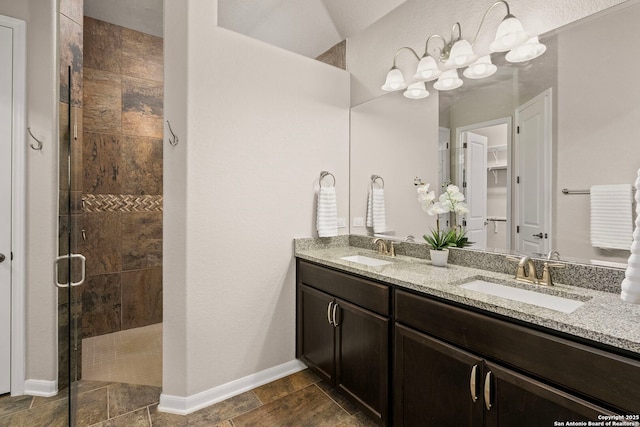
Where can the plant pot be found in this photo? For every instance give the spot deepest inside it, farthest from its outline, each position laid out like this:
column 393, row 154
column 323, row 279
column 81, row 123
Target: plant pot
column 439, row 258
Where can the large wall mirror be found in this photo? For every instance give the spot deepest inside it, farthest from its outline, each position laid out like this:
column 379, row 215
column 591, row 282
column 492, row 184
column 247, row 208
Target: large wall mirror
column 583, row 96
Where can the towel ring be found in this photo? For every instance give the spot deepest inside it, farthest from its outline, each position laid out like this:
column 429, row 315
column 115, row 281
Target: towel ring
column 323, row 174
column 374, row 178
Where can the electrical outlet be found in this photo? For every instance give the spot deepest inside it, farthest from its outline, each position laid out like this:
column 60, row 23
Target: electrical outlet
column 341, row 223
column 358, row 222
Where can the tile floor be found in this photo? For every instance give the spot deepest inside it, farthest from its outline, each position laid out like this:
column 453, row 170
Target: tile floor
column 132, row 356
column 301, row 399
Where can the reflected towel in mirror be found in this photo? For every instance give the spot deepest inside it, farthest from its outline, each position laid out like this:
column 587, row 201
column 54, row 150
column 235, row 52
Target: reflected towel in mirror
column 376, row 218
column 611, row 216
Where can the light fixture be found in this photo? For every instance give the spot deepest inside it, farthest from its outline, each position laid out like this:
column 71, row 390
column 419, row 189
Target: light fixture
column 480, row 69
column 509, row 34
column 448, row 80
column 417, row 90
column 427, row 69
column 526, row 52
column 457, row 53
column 394, row 81
column 461, row 54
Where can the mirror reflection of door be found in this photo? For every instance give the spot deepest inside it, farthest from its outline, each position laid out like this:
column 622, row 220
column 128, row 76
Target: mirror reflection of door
column 487, row 183
column 533, row 170
column 475, row 148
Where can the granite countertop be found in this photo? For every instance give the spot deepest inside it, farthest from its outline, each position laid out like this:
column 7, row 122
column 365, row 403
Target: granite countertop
column 603, row 317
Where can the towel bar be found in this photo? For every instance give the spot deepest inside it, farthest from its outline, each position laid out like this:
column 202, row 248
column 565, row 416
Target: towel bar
column 566, row 191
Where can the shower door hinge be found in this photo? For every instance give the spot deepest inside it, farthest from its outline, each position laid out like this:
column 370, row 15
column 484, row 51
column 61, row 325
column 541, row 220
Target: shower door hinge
column 518, row 129
column 464, row 145
column 517, row 180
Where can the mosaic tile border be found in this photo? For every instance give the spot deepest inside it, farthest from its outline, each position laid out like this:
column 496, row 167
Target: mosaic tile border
column 121, row 203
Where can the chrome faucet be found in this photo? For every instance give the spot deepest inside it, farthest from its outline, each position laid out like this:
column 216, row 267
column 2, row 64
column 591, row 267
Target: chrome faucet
column 384, row 247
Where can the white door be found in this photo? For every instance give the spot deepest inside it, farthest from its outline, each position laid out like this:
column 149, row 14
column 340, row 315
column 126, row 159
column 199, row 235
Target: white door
column 475, row 166
column 6, row 108
column 444, row 158
column 533, row 182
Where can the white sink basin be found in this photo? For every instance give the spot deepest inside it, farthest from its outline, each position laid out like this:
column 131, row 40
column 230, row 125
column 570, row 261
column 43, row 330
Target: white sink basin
column 363, row 259
column 564, row 305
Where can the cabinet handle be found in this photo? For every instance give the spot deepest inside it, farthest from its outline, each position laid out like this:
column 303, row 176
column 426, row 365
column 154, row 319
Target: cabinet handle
column 472, row 384
column 329, row 313
column 487, row 391
column 335, row 322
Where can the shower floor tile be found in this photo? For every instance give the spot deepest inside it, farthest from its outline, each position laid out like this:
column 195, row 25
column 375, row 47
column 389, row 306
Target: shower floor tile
column 133, row 356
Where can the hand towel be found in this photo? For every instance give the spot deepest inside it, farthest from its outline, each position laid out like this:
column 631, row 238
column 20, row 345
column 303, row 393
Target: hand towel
column 631, row 283
column 611, row 216
column 376, row 217
column 327, row 210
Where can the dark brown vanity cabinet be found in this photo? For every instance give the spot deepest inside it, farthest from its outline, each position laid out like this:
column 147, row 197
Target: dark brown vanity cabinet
column 456, row 367
column 343, row 329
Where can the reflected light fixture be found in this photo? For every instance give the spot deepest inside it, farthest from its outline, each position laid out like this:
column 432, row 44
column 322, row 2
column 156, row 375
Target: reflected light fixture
column 458, row 53
column 416, row 90
column 448, row 80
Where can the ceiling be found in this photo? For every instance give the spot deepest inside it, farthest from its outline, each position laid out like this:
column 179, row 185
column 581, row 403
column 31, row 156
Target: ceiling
column 307, row 27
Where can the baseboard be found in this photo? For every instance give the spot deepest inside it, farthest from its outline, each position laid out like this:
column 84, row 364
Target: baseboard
column 41, row 388
column 186, row 405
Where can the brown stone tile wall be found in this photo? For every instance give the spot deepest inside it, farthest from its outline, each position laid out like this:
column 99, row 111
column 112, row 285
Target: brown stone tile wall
column 121, row 178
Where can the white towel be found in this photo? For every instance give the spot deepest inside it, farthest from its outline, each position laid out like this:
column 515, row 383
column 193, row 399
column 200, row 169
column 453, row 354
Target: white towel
column 631, row 283
column 611, row 216
column 327, row 219
column 376, row 218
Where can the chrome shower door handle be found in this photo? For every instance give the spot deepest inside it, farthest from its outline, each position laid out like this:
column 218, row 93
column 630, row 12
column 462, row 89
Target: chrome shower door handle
column 83, row 262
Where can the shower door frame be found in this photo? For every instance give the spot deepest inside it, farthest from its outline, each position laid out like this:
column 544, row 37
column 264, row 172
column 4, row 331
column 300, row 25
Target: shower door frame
column 18, row 204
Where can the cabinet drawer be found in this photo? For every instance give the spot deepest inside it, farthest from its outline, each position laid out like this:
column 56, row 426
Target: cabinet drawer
column 370, row 295
column 604, row 376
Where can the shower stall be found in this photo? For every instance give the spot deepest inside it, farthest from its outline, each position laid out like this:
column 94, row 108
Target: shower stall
column 109, row 269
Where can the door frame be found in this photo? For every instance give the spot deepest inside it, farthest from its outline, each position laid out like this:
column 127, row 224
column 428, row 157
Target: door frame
column 18, row 202
column 508, row 120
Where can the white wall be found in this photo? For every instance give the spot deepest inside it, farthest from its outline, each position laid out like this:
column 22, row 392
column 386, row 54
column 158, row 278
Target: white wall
column 394, row 137
column 257, row 125
column 370, row 54
column 42, row 183
column 599, row 131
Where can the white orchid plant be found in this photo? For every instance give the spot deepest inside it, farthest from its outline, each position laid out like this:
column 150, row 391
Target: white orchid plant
column 451, row 200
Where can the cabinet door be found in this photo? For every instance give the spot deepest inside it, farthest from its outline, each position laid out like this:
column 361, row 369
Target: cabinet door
column 316, row 336
column 363, row 357
column 435, row 384
column 517, row 400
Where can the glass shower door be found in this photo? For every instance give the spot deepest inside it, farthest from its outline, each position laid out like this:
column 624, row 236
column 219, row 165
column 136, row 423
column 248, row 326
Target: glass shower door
column 70, row 264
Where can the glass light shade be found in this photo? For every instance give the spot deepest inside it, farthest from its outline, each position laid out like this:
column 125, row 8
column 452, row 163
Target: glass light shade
column 448, row 80
column 395, row 81
column 417, row 90
column 526, row 52
column 427, row 69
column 480, row 69
column 509, row 35
column 461, row 55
